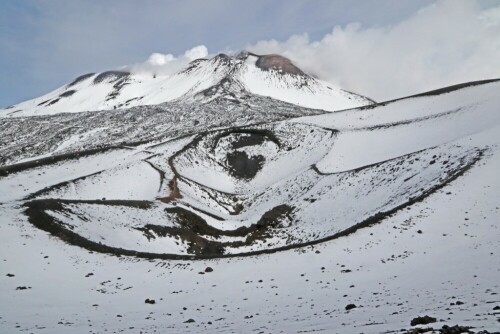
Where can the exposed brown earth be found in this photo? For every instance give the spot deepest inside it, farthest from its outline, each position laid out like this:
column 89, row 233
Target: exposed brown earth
column 278, row 63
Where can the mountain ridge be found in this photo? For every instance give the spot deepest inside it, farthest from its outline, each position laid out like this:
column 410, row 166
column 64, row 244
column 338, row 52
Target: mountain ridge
column 231, row 77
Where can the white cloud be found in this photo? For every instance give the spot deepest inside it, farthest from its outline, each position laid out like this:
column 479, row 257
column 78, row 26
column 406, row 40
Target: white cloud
column 446, row 43
column 197, row 52
column 167, row 64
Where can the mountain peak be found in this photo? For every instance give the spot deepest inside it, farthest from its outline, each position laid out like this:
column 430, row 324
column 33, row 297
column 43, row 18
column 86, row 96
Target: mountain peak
column 222, row 76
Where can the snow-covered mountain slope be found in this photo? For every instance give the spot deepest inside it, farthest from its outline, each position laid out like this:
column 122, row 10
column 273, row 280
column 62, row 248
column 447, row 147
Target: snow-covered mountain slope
column 346, row 222
column 232, row 76
column 93, row 130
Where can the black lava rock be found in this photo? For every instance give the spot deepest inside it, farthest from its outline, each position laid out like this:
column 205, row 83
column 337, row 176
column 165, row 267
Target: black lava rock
column 422, row 320
column 350, row 307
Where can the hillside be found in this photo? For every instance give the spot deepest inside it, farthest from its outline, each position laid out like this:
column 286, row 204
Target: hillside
column 269, row 217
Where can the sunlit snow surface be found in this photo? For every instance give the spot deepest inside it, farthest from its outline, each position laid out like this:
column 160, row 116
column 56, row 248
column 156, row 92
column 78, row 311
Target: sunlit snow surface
column 392, row 207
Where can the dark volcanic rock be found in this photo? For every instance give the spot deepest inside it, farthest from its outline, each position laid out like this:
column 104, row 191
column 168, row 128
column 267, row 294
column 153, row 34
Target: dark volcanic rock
column 68, row 93
column 110, row 76
column 80, row 79
column 455, row 329
column 249, row 139
column 242, row 166
column 350, row 307
column 422, row 320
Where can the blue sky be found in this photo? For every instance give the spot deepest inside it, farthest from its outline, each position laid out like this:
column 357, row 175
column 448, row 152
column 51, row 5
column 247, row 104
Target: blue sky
column 46, row 43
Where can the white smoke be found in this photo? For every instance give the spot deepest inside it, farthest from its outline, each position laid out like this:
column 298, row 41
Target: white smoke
column 167, row 64
column 449, row 42
column 159, row 59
